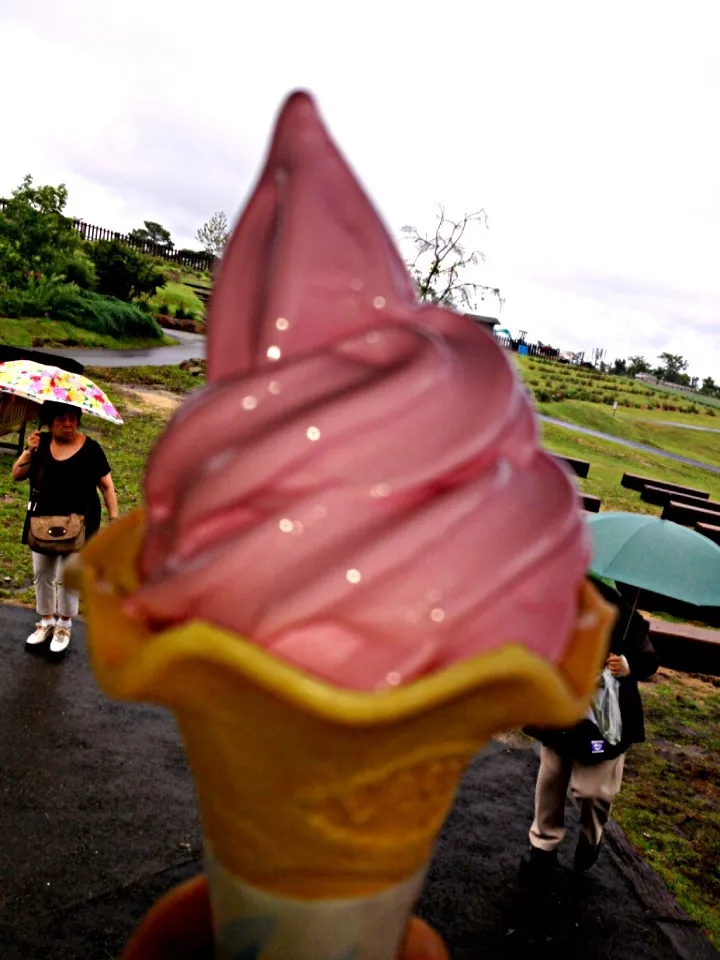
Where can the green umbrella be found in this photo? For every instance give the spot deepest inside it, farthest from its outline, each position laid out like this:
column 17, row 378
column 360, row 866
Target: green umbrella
column 656, row 555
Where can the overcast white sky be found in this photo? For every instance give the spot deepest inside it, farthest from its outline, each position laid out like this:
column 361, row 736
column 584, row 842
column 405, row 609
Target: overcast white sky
column 588, row 132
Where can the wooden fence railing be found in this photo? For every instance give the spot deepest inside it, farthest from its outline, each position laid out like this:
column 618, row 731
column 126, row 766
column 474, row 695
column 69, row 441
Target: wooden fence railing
column 193, row 259
column 528, row 349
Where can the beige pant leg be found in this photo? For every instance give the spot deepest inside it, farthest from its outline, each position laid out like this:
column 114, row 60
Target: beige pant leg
column 595, row 788
column 68, row 603
column 548, row 827
column 51, row 594
column 45, row 573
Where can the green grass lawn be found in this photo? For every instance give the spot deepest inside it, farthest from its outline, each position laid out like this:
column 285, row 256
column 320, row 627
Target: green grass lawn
column 638, row 421
column 705, row 418
column 56, row 333
column 199, row 278
column 669, row 805
column 695, row 444
column 174, row 295
column 166, row 378
column 608, row 462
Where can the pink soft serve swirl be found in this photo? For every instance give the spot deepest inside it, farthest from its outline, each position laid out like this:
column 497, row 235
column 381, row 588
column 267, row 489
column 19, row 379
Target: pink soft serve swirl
column 371, row 505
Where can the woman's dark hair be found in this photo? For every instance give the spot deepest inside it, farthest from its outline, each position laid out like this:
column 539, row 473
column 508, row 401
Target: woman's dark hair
column 52, row 409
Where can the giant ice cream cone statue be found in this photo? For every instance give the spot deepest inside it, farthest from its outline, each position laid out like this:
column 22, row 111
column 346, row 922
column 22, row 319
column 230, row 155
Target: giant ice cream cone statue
column 355, row 566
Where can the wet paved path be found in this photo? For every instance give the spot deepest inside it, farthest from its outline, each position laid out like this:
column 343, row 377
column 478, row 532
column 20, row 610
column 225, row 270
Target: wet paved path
column 680, row 426
column 98, row 819
column 189, row 346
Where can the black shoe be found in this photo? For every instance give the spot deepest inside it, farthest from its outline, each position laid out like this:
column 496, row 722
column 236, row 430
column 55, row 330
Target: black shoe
column 585, row 854
column 537, row 863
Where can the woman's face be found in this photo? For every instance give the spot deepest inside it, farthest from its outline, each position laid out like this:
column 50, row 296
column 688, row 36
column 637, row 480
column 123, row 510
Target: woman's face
column 64, row 427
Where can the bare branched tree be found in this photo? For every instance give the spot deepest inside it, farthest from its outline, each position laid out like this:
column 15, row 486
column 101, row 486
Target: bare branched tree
column 440, row 262
column 214, row 234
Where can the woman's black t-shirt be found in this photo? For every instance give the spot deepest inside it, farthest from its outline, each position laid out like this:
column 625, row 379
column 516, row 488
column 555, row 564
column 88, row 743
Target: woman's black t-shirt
column 70, row 486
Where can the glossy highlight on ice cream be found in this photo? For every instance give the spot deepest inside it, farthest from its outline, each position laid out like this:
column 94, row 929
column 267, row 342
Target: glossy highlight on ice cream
column 359, row 489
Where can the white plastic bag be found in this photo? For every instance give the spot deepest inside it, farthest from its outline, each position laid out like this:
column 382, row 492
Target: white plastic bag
column 606, row 708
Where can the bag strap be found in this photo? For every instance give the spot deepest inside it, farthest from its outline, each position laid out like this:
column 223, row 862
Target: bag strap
column 37, row 485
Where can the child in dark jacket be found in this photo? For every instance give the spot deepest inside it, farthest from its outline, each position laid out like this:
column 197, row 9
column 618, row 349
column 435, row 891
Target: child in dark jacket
column 631, row 658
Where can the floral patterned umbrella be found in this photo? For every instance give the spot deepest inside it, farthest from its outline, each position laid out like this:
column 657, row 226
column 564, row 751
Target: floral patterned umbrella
column 41, row 383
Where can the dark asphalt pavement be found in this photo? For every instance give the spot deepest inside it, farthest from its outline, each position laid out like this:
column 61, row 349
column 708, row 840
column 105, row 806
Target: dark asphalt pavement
column 189, row 346
column 98, row 819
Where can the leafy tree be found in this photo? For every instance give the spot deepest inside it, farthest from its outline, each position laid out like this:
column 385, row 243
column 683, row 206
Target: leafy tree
column 672, row 366
column 637, row 365
column 81, row 271
column 440, row 262
column 37, row 240
column 619, row 367
column 152, row 233
column 123, row 272
column 709, row 386
column 214, row 234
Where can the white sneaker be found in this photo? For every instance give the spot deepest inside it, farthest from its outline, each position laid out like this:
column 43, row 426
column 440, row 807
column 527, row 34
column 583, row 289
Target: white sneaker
column 40, row 634
column 60, row 640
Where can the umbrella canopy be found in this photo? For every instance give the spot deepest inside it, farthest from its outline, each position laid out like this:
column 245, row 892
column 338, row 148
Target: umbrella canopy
column 656, row 555
column 41, row 382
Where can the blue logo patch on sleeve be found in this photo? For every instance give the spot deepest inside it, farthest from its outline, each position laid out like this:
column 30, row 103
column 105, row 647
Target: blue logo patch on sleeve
column 597, row 746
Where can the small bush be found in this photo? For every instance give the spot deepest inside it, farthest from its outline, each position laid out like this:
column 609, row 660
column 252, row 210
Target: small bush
column 36, row 299
column 164, row 310
column 83, row 308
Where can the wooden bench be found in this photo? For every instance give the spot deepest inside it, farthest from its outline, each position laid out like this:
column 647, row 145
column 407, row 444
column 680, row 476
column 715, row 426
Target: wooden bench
column 634, row 482
column 681, row 646
column 698, row 502
column 709, row 530
column 660, row 496
column 580, row 468
column 589, row 503
column 686, row 515
column 15, row 413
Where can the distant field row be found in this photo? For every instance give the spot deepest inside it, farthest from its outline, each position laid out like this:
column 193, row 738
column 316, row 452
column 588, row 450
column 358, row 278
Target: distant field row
column 555, row 382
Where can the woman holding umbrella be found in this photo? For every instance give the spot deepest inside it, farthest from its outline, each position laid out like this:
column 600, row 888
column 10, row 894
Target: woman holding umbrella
column 65, row 468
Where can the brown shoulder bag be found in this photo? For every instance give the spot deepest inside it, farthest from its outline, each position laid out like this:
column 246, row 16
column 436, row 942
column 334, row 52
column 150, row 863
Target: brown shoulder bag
column 53, row 536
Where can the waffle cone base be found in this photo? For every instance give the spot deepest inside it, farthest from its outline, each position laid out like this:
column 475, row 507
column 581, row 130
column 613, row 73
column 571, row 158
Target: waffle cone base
column 307, row 790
